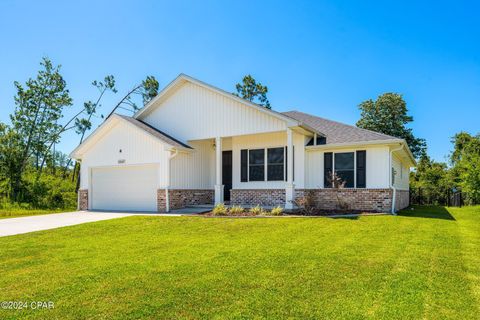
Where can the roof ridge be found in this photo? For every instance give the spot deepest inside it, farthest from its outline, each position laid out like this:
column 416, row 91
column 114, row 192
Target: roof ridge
column 341, row 123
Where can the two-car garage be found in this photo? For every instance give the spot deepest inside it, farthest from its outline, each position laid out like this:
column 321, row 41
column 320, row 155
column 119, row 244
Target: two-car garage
column 126, row 188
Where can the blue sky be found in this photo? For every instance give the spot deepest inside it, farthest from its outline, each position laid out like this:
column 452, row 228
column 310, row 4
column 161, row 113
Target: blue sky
column 320, row 57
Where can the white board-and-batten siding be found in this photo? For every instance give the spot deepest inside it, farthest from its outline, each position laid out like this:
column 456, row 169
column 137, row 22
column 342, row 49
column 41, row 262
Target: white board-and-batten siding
column 377, row 163
column 136, row 147
column 194, row 113
column 402, row 174
column 194, row 170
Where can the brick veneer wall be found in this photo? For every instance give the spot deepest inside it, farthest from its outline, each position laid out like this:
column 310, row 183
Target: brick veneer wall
column 83, row 199
column 161, row 200
column 180, row 198
column 372, row 200
column 402, row 199
column 262, row 197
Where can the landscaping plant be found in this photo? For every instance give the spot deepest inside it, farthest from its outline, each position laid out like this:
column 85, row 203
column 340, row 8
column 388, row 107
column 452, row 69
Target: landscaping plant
column 220, row 210
column 236, row 210
column 257, row 210
column 277, row 211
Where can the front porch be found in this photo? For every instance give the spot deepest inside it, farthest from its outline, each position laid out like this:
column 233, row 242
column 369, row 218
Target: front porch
column 257, row 169
column 266, row 165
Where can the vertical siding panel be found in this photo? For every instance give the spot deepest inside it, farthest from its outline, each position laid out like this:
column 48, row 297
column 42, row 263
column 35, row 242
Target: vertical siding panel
column 195, row 113
column 137, row 148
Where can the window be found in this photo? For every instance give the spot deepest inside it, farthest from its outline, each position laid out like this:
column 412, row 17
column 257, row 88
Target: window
column 275, row 164
column 264, row 164
column 344, row 165
column 256, row 165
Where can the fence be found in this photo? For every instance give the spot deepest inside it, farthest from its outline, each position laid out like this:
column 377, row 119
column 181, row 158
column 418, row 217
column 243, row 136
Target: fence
column 447, row 198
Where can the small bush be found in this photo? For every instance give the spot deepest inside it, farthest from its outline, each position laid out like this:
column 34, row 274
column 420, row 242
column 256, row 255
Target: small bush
column 257, row 210
column 236, row 210
column 219, row 210
column 277, row 211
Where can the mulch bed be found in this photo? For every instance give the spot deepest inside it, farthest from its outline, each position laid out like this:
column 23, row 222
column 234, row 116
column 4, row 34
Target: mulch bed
column 313, row 213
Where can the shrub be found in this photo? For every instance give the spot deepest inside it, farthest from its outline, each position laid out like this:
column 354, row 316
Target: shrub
column 236, row 210
column 219, row 210
column 257, row 210
column 277, row 211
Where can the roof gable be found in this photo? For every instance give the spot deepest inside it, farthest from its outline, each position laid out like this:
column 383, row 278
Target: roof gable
column 183, row 78
column 135, row 124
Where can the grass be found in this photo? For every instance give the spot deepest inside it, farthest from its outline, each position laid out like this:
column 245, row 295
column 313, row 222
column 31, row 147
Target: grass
column 17, row 212
column 422, row 264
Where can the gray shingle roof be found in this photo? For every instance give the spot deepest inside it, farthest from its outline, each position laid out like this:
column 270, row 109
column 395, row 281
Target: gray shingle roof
column 337, row 132
column 155, row 132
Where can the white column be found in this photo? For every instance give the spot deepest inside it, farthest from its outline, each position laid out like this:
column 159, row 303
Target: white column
column 290, row 187
column 218, row 171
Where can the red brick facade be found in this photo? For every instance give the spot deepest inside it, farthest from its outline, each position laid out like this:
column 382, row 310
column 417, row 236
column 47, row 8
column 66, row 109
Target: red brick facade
column 262, row 197
column 83, row 199
column 371, row 200
column 161, row 200
column 180, row 198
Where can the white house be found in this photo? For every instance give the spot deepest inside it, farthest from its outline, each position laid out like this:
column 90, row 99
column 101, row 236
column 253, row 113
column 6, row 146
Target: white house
column 196, row 144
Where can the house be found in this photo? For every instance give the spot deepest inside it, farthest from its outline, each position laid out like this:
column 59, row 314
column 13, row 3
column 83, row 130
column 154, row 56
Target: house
column 196, row 144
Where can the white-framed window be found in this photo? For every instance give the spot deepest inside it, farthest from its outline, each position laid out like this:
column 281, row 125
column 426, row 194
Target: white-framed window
column 264, row 164
column 344, row 167
column 256, row 165
column 348, row 166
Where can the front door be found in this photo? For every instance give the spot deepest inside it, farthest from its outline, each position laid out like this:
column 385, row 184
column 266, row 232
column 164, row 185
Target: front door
column 226, row 174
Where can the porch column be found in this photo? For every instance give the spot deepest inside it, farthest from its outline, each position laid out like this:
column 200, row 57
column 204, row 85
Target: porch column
column 218, row 171
column 290, row 187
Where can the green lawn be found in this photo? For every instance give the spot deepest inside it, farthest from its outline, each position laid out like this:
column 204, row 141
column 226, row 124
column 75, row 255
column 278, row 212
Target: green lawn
column 13, row 213
column 422, row 264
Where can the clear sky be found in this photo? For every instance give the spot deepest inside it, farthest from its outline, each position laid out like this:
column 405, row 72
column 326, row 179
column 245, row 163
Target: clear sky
column 320, row 57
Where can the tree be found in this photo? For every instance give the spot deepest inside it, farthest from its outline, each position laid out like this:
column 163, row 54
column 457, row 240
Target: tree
column 430, row 182
column 39, row 106
column 147, row 90
column 252, row 91
column 389, row 115
column 465, row 160
column 11, row 156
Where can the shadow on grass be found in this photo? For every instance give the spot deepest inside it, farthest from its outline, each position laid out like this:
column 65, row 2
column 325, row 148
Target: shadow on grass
column 346, row 217
column 432, row 212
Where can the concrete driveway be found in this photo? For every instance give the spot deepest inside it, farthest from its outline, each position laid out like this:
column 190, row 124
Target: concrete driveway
column 12, row 226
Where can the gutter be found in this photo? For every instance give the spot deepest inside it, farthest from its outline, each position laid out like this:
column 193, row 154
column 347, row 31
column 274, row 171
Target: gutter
column 390, row 178
column 167, row 193
column 353, row 144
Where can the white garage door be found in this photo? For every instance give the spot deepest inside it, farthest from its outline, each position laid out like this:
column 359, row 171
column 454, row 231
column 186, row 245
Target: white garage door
column 130, row 188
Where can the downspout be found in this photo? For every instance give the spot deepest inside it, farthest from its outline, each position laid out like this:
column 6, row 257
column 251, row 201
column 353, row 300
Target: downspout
column 78, row 191
column 390, row 178
column 167, row 193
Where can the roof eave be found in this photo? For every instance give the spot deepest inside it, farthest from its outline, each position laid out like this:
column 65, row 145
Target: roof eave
column 75, row 154
column 355, row 144
column 387, row 142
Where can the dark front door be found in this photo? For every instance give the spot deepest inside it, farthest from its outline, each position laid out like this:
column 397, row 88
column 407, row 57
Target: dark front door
column 226, row 174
